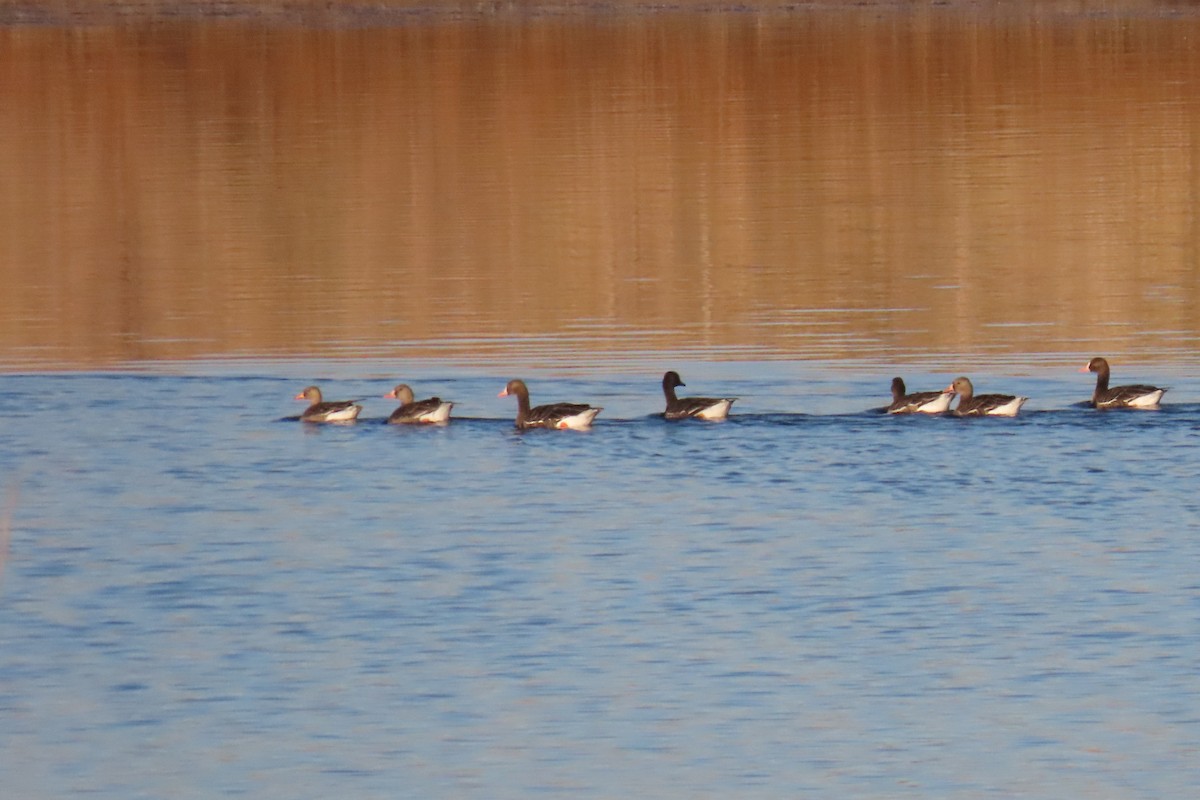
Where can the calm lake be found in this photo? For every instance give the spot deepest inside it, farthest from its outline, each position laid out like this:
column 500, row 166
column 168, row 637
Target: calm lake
column 201, row 596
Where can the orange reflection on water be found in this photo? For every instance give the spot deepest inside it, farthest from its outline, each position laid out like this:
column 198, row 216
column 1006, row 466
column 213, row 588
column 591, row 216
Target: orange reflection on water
column 827, row 184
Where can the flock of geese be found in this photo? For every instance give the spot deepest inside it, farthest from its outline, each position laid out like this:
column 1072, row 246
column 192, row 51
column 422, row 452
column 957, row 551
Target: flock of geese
column 580, row 415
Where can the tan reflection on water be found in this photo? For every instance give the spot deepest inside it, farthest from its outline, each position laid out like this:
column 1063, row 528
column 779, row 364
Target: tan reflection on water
column 841, row 185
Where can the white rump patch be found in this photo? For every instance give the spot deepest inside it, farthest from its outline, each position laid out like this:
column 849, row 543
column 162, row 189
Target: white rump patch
column 579, row 421
column 1009, row 409
column 717, row 411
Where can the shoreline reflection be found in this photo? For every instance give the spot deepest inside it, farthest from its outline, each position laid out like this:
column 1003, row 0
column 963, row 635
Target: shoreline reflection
column 829, row 186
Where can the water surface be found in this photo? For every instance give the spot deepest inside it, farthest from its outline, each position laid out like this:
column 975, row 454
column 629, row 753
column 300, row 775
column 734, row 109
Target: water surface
column 202, row 598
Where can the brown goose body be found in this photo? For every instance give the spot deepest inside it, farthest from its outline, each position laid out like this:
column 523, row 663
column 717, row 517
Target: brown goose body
column 710, row 408
column 1135, row 395
column 918, row 402
column 576, row 416
column 412, row 412
column 327, row 410
column 981, row 405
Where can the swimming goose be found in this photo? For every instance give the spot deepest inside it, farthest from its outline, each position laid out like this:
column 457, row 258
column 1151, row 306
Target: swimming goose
column 1132, row 396
column 329, row 411
column 710, row 408
column 973, row 405
column 918, row 402
column 433, row 410
column 557, row 415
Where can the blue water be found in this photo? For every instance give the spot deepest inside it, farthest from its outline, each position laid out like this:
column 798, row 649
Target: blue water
column 809, row 600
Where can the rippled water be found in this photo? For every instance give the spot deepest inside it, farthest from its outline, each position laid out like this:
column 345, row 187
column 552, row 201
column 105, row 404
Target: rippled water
column 204, row 598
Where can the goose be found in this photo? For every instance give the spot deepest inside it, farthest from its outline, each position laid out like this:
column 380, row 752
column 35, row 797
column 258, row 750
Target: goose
column 973, row 405
column 918, row 402
column 433, row 410
column 577, row 416
column 327, row 411
column 710, row 408
column 1132, row 396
